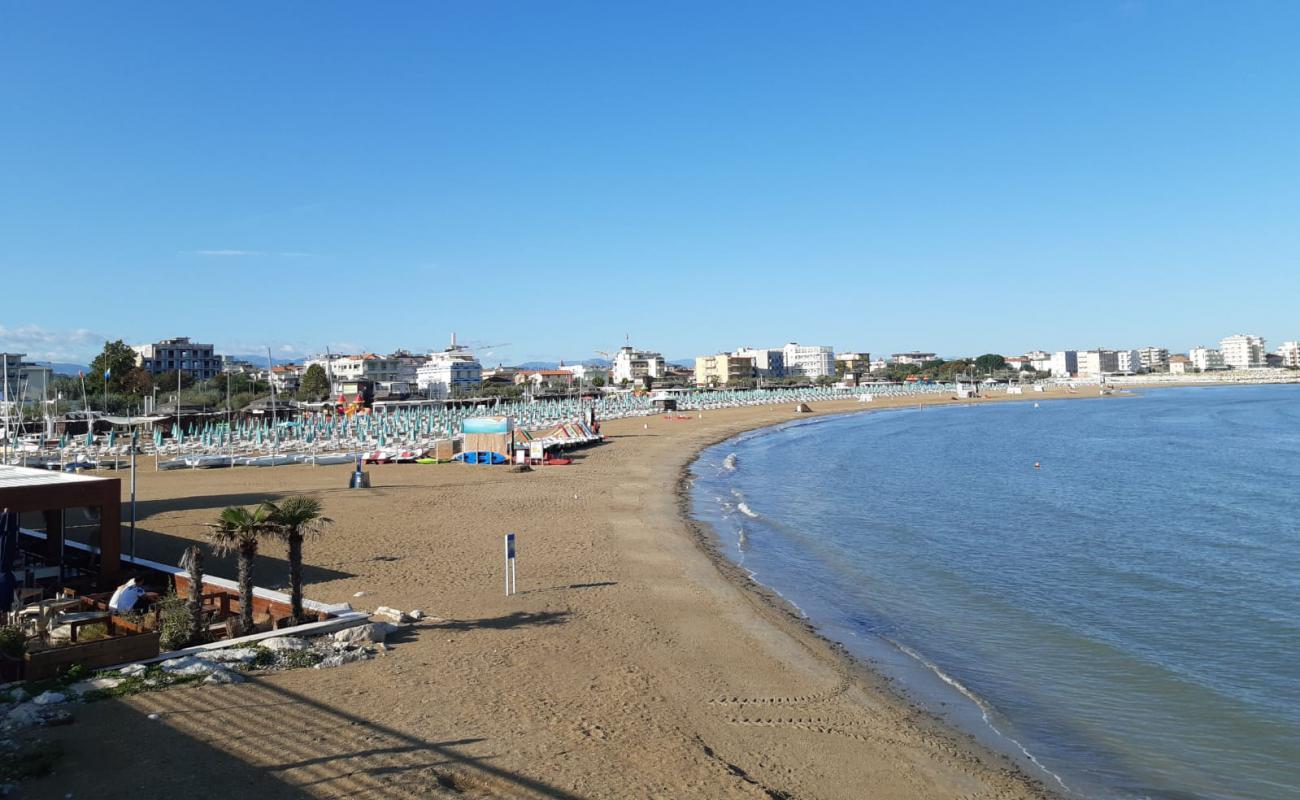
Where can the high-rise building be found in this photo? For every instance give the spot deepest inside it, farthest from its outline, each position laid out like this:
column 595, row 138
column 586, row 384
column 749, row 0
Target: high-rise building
column 809, row 360
column 1095, row 363
column 448, row 373
column 633, row 365
column 722, row 369
column 1243, row 351
column 768, row 362
column 1128, row 362
column 1290, row 353
column 178, row 354
column 1064, row 364
column 1205, row 359
column 1154, row 359
column 20, row 380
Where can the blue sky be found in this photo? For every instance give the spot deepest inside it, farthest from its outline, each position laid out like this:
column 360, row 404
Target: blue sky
column 959, row 177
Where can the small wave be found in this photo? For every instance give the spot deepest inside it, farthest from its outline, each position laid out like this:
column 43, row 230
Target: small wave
column 745, row 509
column 985, row 711
column 729, row 463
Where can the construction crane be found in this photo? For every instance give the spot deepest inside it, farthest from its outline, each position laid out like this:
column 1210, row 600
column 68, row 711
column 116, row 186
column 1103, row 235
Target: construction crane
column 473, row 345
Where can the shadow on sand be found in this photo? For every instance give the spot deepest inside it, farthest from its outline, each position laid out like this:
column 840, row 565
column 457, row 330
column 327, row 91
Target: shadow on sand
column 260, row 740
column 518, row 619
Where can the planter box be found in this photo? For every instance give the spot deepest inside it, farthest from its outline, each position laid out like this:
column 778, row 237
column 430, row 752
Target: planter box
column 91, row 655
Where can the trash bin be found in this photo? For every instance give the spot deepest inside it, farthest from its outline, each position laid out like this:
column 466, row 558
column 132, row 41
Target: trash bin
column 360, row 480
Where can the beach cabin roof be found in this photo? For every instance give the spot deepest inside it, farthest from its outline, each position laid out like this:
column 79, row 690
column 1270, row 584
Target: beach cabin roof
column 23, row 489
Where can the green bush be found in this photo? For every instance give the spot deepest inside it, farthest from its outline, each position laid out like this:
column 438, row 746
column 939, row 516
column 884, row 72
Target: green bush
column 12, row 640
column 174, row 619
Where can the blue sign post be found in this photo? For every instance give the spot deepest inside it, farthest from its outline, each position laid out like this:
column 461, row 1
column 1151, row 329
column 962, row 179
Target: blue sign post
column 512, row 584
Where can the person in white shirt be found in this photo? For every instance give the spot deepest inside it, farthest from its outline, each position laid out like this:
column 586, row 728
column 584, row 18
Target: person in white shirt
column 125, row 597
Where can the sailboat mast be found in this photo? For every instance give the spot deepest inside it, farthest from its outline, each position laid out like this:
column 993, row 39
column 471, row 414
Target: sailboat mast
column 270, row 378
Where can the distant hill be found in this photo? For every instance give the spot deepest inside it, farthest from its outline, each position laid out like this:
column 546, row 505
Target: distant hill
column 64, row 368
column 259, row 359
column 590, row 362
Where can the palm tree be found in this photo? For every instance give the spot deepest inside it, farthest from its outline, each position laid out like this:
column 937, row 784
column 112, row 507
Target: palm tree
column 192, row 562
column 294, row 520
column 237, row 530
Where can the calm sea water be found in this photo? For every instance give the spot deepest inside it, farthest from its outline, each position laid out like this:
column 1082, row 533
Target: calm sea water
column 1125, row 619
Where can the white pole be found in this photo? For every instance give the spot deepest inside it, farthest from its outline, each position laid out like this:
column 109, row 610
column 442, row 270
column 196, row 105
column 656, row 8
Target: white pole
column 507, row 571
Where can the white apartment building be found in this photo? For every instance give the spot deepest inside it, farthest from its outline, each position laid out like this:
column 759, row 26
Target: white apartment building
column 178, row 354
column 1154, row 359
column 1039, row 360
column 1290, row 353
column 768, row 363
column 1095, row 363
column 1243, row 351
column 879, row 364
column 809, row 360
column 585, row 373
column 633, row 365
column 286, row 378
column 367, row 366
column 407, row 365
column 914, row 357
column 1128, row 362
column 448, row 373
column 1064, row 364
column 1205, row 359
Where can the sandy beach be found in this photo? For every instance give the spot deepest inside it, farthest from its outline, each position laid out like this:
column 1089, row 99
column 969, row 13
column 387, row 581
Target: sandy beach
column 632, row 663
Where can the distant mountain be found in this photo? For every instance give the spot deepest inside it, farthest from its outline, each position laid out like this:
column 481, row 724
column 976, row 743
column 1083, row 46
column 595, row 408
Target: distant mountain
column 590, row 362
column 683, row 362
column 64, row 368
column 259, row 359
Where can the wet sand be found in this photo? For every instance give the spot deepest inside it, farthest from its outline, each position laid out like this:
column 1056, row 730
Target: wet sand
column 633, row 663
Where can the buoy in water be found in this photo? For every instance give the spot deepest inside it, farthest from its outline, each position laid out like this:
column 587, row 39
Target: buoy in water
column 1035, row 405
column 1037, row 465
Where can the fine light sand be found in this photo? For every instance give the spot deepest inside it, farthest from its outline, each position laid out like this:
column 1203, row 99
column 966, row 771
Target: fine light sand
column 631, row 664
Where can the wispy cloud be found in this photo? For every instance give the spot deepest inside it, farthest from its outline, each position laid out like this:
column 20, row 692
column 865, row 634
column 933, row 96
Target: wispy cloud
column 232, row 253
column 40, row 344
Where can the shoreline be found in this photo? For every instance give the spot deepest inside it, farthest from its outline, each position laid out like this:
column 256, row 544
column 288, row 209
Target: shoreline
column 782, row 611
column 859, row 667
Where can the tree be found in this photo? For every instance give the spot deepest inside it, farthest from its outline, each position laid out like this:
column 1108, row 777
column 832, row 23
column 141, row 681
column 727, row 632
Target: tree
column 825, row 380
column 192, row 562
column 239, row 530
column 117, row 359
column 138, row 382
column 990, row 363
column 951, row 369
column 293, row 521
column 597, row 381
column 315, row 384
